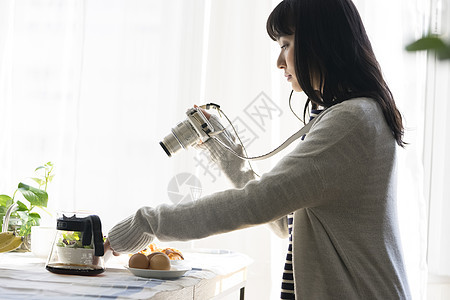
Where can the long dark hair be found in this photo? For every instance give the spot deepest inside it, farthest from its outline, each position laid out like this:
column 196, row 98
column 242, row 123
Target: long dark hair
column 332, row 46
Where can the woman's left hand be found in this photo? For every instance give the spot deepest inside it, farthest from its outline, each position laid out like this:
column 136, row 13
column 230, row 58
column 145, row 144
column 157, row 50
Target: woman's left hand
column 109, row 251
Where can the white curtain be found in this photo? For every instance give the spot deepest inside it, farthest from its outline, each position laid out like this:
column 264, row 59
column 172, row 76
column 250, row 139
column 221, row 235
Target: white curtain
column 95, row 85
column 437, row 166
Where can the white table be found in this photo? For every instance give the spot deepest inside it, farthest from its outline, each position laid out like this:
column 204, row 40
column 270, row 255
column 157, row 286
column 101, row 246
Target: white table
column 215, row 275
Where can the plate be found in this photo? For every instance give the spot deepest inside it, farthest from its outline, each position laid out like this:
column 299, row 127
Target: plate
column 159, row 274
column 209, row 251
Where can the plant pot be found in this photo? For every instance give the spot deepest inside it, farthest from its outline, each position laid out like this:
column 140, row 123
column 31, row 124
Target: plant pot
column 76, row 256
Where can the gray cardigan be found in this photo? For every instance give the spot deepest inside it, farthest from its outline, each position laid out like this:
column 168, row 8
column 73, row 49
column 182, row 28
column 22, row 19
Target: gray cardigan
column 340, row 182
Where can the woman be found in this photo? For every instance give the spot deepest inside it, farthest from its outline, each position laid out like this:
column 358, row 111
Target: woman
column 337, row 187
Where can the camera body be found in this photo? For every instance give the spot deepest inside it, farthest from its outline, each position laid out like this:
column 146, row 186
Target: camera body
column 195, row 129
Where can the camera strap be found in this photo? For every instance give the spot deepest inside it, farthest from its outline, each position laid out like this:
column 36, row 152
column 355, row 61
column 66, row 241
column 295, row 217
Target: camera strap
column 304, row 130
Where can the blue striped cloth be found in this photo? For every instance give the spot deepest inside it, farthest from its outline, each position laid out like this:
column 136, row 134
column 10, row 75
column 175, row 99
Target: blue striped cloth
column 287, row 284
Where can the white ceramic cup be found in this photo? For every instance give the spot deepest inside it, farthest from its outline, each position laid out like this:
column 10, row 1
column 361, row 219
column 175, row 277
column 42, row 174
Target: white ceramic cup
column 41, row 240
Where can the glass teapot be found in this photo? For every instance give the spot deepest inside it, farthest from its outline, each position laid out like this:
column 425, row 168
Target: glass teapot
column 78, row 245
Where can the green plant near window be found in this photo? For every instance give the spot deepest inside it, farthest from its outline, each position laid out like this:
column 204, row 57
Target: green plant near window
column 433, row 43
column 36, row 197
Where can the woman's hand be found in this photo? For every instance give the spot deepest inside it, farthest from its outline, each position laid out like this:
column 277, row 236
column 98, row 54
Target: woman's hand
column 207, row 114
column 231, row 165
column 109, row 251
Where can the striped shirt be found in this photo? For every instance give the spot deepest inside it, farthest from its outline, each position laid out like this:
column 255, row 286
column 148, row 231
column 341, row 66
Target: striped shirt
column 287, row 284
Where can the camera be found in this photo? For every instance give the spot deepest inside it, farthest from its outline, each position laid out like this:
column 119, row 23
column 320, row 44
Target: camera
column 196, row 128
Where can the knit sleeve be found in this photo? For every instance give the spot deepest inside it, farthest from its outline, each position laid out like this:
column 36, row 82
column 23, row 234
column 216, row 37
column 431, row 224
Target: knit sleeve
column 301, row 179
column 261, row 201
column 234, row 168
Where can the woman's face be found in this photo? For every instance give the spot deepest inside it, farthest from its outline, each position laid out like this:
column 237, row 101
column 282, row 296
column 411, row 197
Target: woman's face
column 286, row 60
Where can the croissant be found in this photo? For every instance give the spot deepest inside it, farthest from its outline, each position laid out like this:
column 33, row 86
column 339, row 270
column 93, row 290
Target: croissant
column 172, row 253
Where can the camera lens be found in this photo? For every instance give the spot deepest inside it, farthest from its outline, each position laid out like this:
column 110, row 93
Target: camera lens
column 183, row 135
column 165, row 149
column 170, row 144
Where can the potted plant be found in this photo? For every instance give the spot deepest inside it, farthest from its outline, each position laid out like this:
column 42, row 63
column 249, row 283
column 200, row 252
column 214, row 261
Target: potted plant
column 19, row 216
column 71, row 251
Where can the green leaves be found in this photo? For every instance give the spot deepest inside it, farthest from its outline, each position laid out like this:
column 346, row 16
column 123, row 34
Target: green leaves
column 5, row 200
column 28, row 219
column 47, row 166
column 72, row 239
column 38, row 181
column 431, row 42
column 21, row 206
column 46, row 178
column 35, row 196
